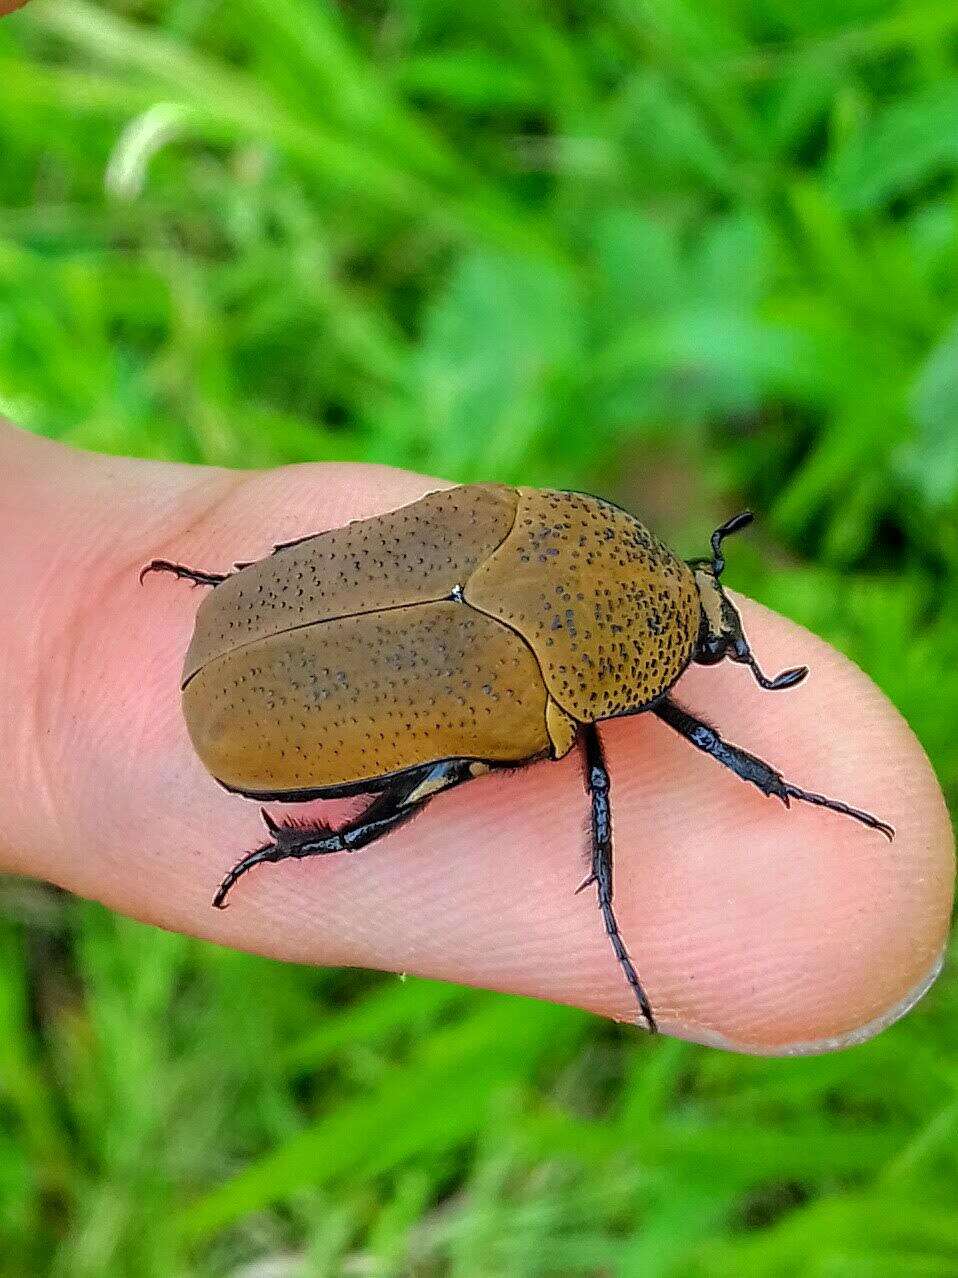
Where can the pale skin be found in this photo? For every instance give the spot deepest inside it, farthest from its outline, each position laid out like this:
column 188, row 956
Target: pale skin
column 752, row 927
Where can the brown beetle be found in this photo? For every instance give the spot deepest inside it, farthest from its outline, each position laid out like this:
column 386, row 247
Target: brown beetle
column 482, row 627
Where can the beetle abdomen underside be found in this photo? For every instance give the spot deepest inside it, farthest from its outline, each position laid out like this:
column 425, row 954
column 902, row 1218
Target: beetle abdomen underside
column 364, row 696
column 610, row 612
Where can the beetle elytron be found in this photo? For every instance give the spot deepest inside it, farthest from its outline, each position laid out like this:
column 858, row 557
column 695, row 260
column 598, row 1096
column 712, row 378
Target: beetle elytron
column 480, row 628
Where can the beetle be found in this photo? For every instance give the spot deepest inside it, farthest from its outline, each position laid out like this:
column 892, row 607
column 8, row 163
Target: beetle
column 480, row 628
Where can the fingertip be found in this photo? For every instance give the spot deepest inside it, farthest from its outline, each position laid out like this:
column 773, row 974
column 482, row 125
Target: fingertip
column 783, row 929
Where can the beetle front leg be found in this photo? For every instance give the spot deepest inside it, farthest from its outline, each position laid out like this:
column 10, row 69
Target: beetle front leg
column 597, row 780
column 750, row 768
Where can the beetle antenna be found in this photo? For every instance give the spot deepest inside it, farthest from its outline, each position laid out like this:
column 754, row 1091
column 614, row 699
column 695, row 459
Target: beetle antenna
column 787, row 679
column 741, row 520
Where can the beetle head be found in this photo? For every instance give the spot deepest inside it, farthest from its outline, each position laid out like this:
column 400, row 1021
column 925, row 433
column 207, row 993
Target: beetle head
column 720, row 631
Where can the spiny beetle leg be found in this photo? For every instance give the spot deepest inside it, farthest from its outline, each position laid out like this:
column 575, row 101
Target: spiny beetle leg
column 195, row 575
column 408, row 795
column 597, row 780
column 750, row 768
column 386, row 811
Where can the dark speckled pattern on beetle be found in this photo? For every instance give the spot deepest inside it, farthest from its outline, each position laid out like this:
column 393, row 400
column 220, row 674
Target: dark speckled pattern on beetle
column 416, row 554
column 610, row 612
column 479, row 628
column 380, row 693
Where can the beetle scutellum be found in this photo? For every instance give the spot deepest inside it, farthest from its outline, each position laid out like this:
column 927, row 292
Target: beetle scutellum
column 480, row 628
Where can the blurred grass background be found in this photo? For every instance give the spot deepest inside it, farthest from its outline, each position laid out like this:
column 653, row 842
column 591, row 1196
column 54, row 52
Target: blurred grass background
column 694, row 256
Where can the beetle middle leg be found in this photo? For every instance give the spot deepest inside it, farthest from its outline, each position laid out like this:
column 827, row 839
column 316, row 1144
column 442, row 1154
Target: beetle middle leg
column 405, row 797
column 750, row 768
column 597, row 780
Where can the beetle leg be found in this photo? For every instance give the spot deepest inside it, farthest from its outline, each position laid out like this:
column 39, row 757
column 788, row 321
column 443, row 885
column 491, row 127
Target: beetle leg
column 382, row 815
column 597, row 780
column 390, row 808
column 195, row 575
column 750, row 768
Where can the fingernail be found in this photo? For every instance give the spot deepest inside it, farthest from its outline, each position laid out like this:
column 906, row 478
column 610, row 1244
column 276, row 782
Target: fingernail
column 816, row 1047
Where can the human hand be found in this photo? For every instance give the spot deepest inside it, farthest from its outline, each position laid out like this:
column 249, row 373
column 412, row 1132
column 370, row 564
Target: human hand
column 752, row 927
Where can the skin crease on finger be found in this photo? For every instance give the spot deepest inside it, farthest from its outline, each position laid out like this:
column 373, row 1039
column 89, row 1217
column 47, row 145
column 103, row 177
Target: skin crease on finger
column 752, row 926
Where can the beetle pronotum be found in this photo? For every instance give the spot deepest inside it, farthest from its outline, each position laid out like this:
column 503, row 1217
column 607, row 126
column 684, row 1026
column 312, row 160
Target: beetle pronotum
column 480, row 628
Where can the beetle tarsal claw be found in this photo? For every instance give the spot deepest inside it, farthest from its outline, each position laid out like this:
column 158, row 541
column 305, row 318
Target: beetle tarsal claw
column 159, row 565
column 163, row 565
column 268, row 852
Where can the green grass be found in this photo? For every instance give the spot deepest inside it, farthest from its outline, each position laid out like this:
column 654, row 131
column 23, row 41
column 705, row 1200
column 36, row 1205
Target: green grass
column 693, row 255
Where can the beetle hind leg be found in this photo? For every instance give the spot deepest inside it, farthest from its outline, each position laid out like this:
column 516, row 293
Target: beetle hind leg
column 194, row 575
column 597, row 780
column 288, row 841
column 319, row 839
column 407, row 796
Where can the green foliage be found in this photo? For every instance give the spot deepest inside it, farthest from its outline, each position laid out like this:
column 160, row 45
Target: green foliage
column 594, row 245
